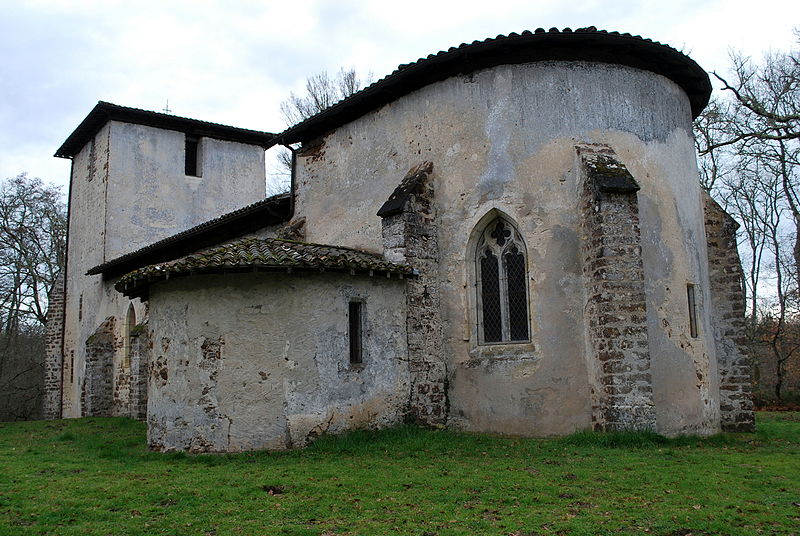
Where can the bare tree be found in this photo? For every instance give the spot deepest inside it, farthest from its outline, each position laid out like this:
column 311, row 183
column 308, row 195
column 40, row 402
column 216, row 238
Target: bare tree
column 32, row 243
column 749, row 147
column 767, row 97
column 766, row 122
column 712, row 130
column 321, row 92
column 32, row 248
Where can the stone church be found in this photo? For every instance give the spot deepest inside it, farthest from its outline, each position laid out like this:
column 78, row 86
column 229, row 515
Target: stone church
column 508, row 236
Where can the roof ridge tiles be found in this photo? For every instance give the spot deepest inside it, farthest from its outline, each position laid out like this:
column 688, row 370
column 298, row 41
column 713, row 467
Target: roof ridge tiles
column 104, row 111
column 270, row 210
column 214, row 123
column 258, row 252
column 584, row 44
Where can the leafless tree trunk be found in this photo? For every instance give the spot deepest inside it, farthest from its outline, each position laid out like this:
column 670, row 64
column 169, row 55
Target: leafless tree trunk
column 32, row 248
column 749, row 148
column 322, row 91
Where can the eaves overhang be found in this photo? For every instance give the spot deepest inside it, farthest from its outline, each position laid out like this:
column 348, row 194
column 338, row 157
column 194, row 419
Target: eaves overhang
column 584, row 44
column 270, row 211
column 104, row 112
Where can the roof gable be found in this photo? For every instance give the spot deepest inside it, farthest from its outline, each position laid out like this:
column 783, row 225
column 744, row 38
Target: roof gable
column 104, row 112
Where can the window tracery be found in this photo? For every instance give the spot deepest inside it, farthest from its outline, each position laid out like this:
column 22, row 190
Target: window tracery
column 501, row 285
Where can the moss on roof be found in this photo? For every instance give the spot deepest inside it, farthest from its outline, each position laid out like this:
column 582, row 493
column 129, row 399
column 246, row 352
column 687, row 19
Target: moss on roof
column 252, row 253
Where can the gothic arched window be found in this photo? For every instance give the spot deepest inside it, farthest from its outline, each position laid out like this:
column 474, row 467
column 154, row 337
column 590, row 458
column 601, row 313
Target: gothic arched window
column 502, row 291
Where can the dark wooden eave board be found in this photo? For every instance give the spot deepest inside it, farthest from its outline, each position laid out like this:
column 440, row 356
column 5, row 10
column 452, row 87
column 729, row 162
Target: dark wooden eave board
column 586, row 44
column 104, row 112
column 270, row 211
column 141, row 289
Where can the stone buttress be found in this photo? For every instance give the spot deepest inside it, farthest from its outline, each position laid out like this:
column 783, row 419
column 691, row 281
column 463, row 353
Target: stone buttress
column 97, row 392
column 140, row 345
column 409, row 229
column 727, row 296
column 618, row 351
column 54, row 348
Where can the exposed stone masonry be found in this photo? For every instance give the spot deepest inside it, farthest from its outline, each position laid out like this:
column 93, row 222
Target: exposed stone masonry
column 122, row 384
column 54, row 358
column 727, row 297
column 622, row 396
column 97, row 392
column 253, row 313
column 140, row 345
column 410, row 237
column 130, row 375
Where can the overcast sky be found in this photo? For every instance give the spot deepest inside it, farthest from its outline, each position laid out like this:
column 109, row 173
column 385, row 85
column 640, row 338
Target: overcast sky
column 233, row 62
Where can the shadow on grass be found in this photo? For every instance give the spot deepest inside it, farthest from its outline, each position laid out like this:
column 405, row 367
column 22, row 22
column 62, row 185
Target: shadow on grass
column 640, row 439
column 66, row 436
column 427, row 441
column 123, row 439
column 358, row 441
column 114, row 438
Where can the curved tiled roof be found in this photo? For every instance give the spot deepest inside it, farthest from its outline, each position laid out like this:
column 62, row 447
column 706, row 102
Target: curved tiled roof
column 270, row 211
column 583, row 44
column 104, row 112
column 252, row 253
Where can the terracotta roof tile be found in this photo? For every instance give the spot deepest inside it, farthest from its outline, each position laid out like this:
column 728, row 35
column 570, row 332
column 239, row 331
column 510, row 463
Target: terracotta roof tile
column 269, row 211
column 252, row 253
column 104, row 112
column 582, row 44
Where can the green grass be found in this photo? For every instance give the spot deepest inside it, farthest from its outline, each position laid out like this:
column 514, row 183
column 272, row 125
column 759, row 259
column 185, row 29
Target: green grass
column 95, row 477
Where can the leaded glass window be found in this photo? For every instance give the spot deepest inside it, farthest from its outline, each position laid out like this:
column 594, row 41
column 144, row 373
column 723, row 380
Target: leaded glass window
column 502, row 291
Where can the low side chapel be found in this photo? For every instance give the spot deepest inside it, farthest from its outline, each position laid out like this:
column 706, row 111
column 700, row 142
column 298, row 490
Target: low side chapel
column 507, row 237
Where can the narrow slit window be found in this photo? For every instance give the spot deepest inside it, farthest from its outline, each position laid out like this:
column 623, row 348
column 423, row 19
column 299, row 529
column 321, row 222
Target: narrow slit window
column 692, row 310
column 355, row 333
column 130, row 324
column 192, row 156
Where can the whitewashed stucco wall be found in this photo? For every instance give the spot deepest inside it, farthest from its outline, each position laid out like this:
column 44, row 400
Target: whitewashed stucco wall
column 255, row 361
column 504, row 138
column 128, row 190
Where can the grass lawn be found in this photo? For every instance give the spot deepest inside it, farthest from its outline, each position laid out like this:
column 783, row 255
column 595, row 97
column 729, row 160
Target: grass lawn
column 95, row 476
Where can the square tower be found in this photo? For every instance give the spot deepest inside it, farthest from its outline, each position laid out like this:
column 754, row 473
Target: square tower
column 137, row 177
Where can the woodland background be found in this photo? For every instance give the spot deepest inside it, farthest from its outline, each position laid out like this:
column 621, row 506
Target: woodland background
column 748, row 145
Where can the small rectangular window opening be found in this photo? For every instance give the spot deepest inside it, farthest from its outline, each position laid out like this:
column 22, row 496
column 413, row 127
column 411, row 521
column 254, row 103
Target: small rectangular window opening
column 192, row 156
column 692, row 310
column 92, row 159
column 355, row 332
